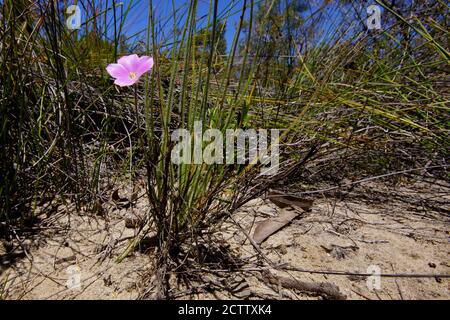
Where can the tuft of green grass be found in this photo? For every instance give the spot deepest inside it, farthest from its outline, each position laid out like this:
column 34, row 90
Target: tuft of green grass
column 358, row 102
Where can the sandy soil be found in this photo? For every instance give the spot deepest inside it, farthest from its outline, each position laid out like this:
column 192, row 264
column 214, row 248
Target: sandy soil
column 397, row 230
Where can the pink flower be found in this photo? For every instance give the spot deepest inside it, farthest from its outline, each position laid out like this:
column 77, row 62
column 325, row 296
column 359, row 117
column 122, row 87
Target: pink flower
column 129, row 69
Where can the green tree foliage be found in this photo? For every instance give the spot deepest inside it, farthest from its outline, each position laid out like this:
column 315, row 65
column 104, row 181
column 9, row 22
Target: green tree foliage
column 203, row 40
column 276, row 29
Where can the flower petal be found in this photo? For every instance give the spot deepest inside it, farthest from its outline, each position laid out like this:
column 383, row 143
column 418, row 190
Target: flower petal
column 117, row 70
column 130, row 62
column 145, row 64
column 125, row 82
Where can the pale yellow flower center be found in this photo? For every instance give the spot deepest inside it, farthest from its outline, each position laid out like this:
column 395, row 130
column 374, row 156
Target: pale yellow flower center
column 132, row 75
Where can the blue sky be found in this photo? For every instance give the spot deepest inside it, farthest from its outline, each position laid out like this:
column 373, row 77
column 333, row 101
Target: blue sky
column 231, row 9
column 137, row 19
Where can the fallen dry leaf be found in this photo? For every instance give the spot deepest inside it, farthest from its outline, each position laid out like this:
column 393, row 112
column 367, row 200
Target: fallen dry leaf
column 268, row 227
column 283, row 200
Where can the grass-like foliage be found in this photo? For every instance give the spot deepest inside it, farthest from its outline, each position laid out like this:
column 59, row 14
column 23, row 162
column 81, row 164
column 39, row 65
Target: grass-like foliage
column 379, row 98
